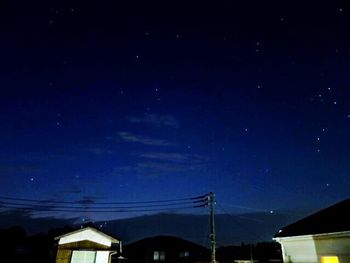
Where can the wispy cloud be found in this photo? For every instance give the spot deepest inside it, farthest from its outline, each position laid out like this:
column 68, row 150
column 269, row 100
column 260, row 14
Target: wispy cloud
column 87, row 200
column 156, row 120
column 74, row 189
column 130, row 137
column 99, row 151
column 12, row 168
column 159, row 164
column 175, row 157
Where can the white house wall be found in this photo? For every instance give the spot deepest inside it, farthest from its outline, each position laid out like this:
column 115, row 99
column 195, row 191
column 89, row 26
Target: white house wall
column 102, row 256
column 334, row 246
column 310, row 249
column 88, row 234
column 299, row 251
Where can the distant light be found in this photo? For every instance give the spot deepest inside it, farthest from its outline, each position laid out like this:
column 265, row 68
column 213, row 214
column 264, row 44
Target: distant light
column 271, row 212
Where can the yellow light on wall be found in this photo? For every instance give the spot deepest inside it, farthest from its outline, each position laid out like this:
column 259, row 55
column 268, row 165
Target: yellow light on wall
column 330, row 259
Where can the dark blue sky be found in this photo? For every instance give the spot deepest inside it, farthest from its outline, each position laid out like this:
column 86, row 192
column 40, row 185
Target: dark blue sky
column 105, row 102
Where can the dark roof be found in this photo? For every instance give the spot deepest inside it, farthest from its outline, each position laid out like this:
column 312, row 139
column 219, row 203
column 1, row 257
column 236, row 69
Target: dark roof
column 335, row 218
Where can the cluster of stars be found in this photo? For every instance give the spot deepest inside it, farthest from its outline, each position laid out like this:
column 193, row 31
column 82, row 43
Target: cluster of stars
column 258, row 48
column 56, row 13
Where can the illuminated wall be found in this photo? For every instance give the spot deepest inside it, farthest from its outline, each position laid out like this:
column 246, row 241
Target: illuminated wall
column 324, row 248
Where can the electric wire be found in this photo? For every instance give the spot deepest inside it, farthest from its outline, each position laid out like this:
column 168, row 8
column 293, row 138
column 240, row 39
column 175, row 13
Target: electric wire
column 93, row 206
column 142, row 206
column 96, row 211
column 104, row 203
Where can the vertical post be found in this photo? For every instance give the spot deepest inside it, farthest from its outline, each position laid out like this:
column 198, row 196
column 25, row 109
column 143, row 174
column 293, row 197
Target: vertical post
column 211, row 201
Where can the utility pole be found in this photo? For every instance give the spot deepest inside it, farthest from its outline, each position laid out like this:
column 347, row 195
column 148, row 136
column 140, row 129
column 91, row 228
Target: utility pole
column 211, row 203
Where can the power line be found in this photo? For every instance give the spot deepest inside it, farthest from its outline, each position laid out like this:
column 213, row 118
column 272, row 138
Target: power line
column 33, row 209
column 142, row 206
column 104, row 203
column 93, row 205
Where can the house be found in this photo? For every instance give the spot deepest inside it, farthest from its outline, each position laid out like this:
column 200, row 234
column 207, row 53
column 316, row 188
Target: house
column 321, row 237
column 86, row 245
column 165, row 249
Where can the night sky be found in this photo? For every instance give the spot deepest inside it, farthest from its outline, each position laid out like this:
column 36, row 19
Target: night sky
column 126, row 101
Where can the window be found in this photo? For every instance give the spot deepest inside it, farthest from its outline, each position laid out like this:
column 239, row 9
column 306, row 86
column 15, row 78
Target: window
column 184, row 254
column 159, row 255
column 83, row 256
column 330, row 259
